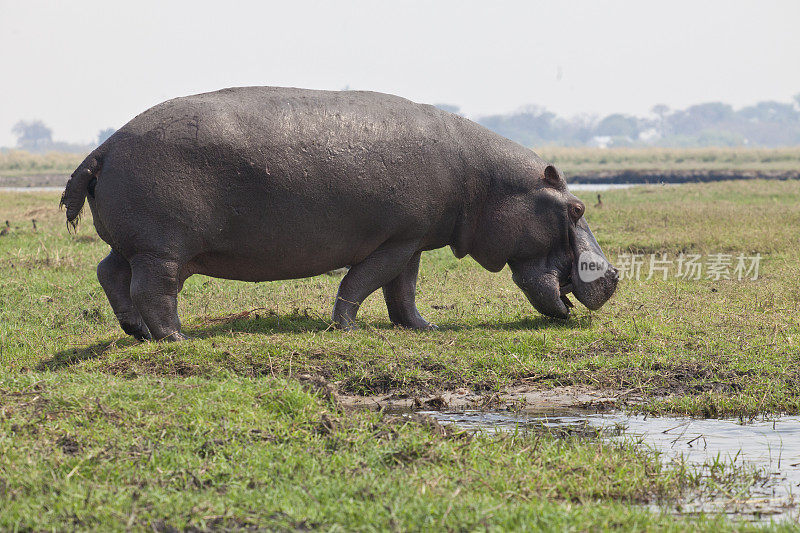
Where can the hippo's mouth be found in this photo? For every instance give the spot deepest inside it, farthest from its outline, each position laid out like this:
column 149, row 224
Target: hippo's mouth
column 565, row 283
column 582, row 270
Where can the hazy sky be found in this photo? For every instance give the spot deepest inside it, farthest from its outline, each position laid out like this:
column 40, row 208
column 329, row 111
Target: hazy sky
column 83, row 66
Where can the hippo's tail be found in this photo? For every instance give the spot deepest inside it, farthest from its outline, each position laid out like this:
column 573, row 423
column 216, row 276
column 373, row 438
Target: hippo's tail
column 81, row 183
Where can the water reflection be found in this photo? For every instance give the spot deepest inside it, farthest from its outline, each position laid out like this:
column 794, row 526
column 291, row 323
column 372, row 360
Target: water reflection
column 769, row 446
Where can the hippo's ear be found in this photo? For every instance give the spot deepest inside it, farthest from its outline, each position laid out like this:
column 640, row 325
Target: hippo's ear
column 552, row 177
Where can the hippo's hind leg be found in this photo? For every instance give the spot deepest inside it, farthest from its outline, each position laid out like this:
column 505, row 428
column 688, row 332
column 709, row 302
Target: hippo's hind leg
column 155, row 282
column 376, row 270
column 114, row 273
column 400, row 297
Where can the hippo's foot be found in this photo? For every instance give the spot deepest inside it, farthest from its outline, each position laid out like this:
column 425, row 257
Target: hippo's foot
column 347, row 326
column 416, row 323
column 344, row 317
column 137, row 330
column 174, row 337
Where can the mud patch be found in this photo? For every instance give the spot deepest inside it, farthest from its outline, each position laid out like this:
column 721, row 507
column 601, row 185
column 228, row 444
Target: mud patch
column 69, row 445
column 517, row 398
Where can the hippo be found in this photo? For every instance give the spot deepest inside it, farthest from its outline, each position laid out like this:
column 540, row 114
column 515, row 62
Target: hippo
column 270, row 183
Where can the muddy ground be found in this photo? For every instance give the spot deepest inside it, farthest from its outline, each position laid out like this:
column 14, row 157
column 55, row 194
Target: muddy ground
column 519, row 397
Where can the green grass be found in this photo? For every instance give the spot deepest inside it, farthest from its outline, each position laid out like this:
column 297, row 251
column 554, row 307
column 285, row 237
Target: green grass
column 132, row 422
column 718, row 347
column 571, row 160
column 590, row 160
column 20, row 163
column 88, row 452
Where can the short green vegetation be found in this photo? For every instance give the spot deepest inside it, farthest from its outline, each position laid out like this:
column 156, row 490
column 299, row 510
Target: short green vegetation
column 19, row 163
column 22, row 163
column 220, row 431
column 593, row 160
column 89, row 451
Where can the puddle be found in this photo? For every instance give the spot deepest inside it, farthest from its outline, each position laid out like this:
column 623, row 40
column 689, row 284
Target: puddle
column 771, row 447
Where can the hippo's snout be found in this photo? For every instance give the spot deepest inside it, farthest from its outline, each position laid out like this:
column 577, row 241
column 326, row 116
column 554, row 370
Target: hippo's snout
column 593, row 278
column 548, row 281
column 591, row 288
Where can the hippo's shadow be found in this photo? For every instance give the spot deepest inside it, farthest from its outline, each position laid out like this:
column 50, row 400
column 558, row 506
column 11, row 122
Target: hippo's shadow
column 269, row 325
column 291, row 324
column 523, row 324
column 302, row 324
column 75, row 355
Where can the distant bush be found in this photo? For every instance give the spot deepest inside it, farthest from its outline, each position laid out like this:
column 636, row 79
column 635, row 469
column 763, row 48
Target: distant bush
column 766, row 124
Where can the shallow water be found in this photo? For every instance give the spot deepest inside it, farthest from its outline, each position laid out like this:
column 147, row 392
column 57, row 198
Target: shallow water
column 770, row 446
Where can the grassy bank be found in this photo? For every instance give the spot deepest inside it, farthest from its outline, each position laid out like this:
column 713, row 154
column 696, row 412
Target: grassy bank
column 593, row 160
column 87, row 452
column 216, row 431
column 22, row 163
column 17, row 163
column 716, row 347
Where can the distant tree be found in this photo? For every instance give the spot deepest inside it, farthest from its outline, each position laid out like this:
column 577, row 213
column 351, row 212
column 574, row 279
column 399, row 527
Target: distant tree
column 105, row 134
column 574, row 131
column 618, row 125
column 708, row 124
column 32, row 134
column 450, row 108
column 697, row 118
column 531, row 126
column 660, row 110
column 776, row 112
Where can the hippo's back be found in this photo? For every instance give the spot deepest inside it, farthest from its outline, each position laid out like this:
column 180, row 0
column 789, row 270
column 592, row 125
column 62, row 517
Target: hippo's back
column 312, row 178
column 280, row 117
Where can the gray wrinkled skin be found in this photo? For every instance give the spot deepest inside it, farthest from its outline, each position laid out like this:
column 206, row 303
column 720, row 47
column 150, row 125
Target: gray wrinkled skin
column 266, row 183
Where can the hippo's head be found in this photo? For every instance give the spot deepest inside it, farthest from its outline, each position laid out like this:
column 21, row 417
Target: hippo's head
column 537, row 226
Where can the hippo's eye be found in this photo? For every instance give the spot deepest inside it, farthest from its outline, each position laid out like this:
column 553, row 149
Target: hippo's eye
column 576, row 211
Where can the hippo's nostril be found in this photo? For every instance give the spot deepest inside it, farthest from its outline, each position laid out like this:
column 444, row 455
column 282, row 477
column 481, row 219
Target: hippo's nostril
column 613, row 274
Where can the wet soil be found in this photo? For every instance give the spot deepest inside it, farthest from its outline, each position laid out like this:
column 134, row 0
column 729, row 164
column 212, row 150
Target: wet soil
column 517, row 398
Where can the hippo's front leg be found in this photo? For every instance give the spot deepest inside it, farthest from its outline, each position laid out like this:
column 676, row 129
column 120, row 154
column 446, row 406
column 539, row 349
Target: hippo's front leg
column 400, row 295
column 376, row 270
